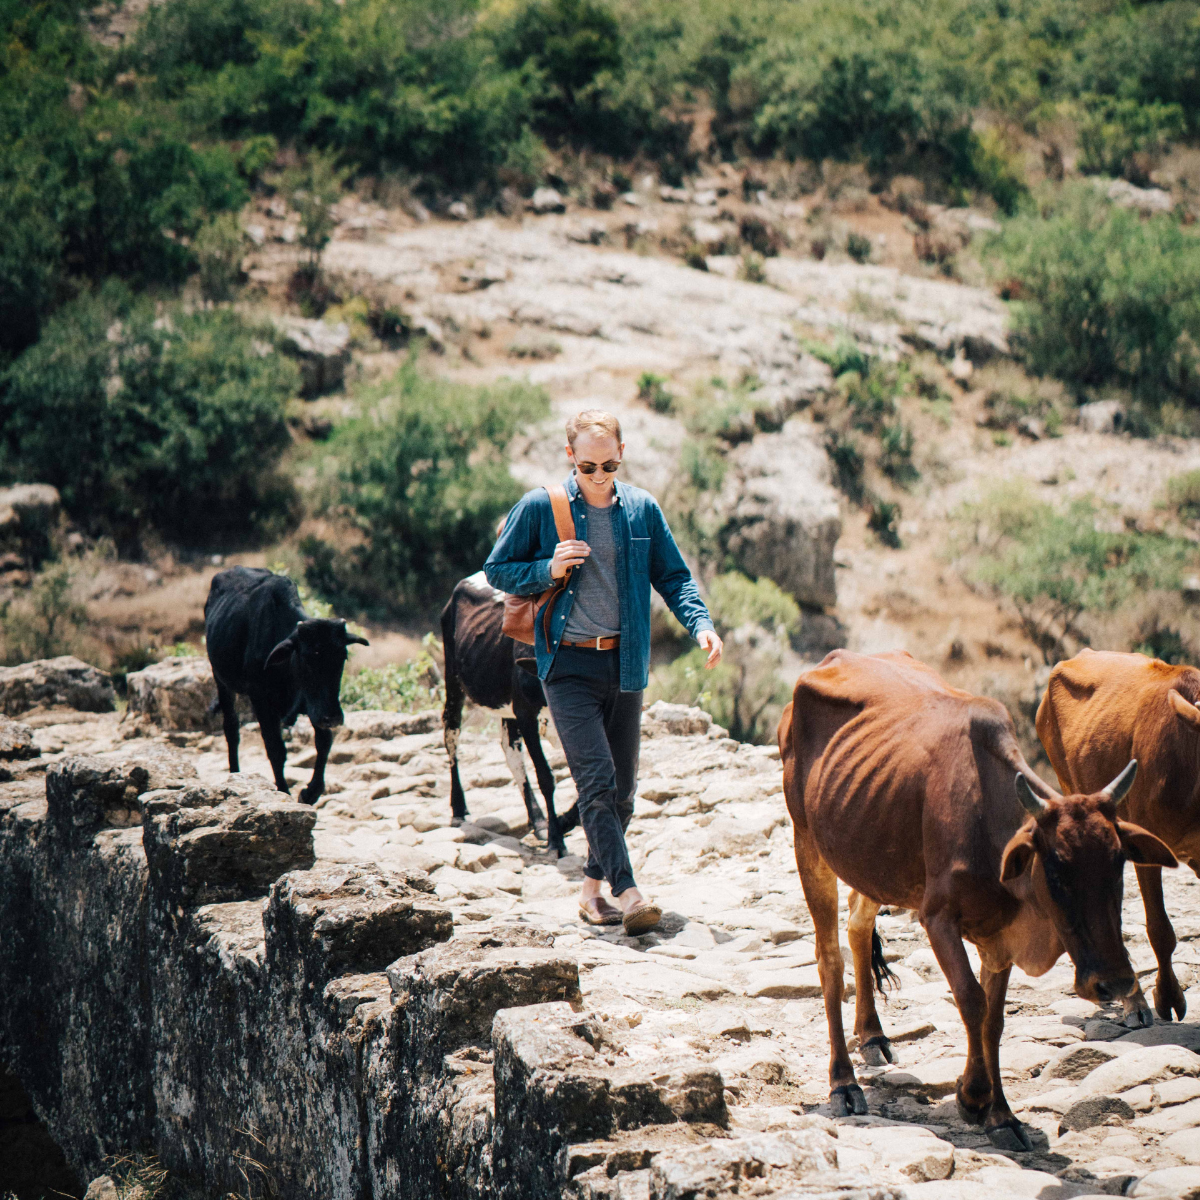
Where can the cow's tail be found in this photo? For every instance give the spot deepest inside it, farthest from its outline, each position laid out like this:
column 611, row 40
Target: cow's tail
column 885, row 977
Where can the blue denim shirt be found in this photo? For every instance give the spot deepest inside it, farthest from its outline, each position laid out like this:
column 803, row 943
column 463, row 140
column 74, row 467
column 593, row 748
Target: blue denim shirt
column 646, row 554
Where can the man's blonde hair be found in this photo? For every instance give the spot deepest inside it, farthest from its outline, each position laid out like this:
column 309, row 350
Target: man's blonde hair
column 593, row 420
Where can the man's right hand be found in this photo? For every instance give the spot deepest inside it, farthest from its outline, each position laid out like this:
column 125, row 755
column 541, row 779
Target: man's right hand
column 568, row 554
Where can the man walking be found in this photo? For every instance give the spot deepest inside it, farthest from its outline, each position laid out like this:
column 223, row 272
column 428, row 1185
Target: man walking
column 593, row 656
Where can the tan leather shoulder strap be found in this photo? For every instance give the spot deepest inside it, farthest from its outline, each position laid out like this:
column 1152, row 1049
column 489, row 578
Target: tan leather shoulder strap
column 564, row 522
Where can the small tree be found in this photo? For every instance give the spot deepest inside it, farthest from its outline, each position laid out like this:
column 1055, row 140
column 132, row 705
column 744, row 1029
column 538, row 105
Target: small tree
column 312, row 189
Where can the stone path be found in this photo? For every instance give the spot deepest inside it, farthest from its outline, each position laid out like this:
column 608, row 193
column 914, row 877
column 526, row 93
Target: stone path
column 730, row 978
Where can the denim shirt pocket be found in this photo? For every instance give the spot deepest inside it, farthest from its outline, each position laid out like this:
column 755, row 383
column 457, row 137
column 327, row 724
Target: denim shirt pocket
column 639, row 556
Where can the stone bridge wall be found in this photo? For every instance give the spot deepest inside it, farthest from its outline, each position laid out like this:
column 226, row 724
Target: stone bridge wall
column 177, row 976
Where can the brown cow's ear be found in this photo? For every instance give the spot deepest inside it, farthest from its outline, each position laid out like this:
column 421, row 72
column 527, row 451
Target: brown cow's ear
column 1143, row 848
column 1018, row 854
column 1189, row 712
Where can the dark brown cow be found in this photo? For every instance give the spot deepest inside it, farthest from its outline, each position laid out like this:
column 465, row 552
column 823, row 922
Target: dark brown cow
column 1103, row 708
column 903, row 787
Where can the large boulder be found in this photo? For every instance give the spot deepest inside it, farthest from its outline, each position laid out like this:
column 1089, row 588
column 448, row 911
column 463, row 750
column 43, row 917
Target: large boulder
column 321, row 351
column 28, row 515
column 777, row 512
column 64, row 682
column 16, row 740
column 175, row 694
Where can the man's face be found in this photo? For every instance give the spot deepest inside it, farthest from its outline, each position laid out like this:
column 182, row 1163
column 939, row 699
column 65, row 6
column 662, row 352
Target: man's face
column 595, row 449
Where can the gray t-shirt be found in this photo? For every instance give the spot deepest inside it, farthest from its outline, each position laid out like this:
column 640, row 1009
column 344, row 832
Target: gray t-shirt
column 597, row 608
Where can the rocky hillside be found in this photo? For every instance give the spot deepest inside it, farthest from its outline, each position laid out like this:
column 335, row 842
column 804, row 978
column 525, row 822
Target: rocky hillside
column 714, row 1021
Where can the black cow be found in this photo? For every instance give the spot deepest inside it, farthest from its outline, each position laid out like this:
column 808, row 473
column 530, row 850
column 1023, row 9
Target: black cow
column 495, row 671
column 262, row 644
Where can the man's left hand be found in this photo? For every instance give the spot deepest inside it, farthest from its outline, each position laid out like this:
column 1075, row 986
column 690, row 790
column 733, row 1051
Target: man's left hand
column 709, row 641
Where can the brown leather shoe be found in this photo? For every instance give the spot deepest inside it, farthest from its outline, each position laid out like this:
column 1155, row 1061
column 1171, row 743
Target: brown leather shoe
column 600, row 912
column 641, row 919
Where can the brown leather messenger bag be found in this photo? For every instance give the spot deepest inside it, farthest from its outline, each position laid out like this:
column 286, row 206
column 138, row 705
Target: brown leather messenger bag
column 520, row 612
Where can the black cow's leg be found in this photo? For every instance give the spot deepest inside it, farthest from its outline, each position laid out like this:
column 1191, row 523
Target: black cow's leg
column 510, row 742
column 276, row 750
column 451, row 725
column 323, row 739
column 229, row 720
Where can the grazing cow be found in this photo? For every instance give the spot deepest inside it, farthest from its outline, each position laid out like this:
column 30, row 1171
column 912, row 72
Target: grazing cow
column 1102, row 707
column 262, row 644
column 495, row 671
column 903, row 787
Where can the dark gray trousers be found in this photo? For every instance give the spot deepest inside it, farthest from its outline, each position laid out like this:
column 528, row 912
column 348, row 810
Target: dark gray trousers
column 600, row 729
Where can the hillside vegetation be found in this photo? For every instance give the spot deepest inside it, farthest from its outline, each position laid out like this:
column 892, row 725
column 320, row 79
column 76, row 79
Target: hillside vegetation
column 143, row 374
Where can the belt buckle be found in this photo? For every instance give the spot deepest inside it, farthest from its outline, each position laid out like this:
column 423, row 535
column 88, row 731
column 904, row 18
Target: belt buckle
column 597, row 643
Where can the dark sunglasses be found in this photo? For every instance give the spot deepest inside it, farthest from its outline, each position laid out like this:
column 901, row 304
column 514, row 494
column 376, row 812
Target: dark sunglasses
column 609, row 468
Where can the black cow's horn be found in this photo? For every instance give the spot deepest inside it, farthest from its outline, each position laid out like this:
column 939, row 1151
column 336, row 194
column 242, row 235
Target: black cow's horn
column 1118, row 789
column 1029, row 799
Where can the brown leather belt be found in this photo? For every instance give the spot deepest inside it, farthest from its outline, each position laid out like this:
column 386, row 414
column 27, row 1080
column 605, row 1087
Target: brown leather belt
column 597, row 643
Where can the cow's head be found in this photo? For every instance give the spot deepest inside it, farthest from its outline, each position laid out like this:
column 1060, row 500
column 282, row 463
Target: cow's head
column 1071, row 855
column 317, row 648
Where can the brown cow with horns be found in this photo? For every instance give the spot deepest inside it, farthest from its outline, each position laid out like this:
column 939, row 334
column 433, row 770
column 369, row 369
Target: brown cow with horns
column 1103, row 708
column 908, row 789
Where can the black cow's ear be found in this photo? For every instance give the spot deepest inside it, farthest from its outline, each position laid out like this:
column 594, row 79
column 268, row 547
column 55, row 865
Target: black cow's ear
column 281, row 653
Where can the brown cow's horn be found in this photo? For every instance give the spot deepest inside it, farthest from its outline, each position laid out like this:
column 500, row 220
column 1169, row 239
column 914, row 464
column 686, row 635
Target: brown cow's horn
column 1029, row 799
column 1117, row 790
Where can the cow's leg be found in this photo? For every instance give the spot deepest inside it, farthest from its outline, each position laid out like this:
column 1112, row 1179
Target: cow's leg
column 323, row 740
column 1168, row 995
column 276, row 750
column 860, row 931
column 974, row 1092
column 451, row 725
column 1002, row 1128
column 229, row 720
column 514, row 755
column 530, row 730
column 820, row 893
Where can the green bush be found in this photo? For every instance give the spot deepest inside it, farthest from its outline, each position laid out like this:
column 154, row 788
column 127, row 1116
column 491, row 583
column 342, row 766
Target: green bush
column 1057, row 564
column 397, row 687
column 171, row 424
column 1183, row 494
column 44, row 623
column 423, row 479
column 1115, row 134
column 652, row 390
column 1107, row 297
column 746, row 692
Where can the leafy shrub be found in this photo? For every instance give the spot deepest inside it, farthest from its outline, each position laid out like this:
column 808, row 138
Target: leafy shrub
column 895, row 454
column 746, row 692
column 173, row 424
column 858, row 247
column 397, row 687
column 752, row 269
column 652, row 390
column 884, row 521
column 90, row 186
column 1121, row 136
column 1183, row 494
column 1010, row 396
column 422, row 479
column 1107, row 297
column 46, row 622
column 1056, row 564
column 219, row 247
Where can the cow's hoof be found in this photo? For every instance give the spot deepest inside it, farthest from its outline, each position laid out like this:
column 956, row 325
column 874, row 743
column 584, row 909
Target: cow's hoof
column 877, row 1051
column 973, row 1114
column 1010, row 1136
column 1169, row 1000
column 848, row 1100
column 1137, row 1013
column 542, row 830
column 307, row 797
